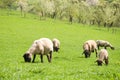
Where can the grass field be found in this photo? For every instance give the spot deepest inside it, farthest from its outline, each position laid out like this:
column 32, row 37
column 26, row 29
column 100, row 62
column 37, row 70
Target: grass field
column 17, row 35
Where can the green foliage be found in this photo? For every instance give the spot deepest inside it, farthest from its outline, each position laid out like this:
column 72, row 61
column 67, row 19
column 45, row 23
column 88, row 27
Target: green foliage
column 17, row 35
column 93, row 12
column 6, row 3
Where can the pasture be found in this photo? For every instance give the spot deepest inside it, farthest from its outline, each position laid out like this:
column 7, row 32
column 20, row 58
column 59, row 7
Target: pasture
column 18, row 33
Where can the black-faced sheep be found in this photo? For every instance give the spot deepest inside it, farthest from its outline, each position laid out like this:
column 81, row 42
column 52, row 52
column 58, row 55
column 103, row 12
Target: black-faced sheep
column 56, row 44
column 105, row 44
column 43, row 46
column 88, row 47
column 103, row 56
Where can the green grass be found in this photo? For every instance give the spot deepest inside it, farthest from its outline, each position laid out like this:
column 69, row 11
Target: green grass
column 17, row 35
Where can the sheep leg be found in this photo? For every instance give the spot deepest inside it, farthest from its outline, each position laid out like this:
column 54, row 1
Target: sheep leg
column 105, row 47
column 48, row 58
column 34, row 58
column 89, row 54
column 96, row 52
column 41, row 56
column 98, row 47
column 106, row 61
column 50, row 55
column 111, row 47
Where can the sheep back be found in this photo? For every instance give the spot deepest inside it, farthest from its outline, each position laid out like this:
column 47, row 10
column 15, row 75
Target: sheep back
column 45, row 44
column 92, row 45
column 103, row 43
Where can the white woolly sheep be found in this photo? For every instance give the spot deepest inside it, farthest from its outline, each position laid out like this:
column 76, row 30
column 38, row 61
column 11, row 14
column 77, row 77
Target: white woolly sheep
column 105, row 44
column 103, row 56
column 56, row 44
column 88, row 47
column 43, row 46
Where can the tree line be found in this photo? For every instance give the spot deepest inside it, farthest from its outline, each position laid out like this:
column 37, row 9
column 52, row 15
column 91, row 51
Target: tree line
column 93, row 12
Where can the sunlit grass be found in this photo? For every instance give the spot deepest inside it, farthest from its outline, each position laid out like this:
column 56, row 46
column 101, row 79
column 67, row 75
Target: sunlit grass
column 18, row 33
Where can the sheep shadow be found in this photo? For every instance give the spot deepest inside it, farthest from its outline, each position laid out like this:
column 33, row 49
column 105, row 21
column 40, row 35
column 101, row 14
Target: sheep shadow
column 31, row 62
column 62, row 58
column 81, row 57
column 37, row 71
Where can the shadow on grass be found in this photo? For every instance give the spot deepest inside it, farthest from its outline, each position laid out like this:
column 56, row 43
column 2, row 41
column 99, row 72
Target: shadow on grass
column 37, row 71
column 31, row 62
column 81, row 57
column 62, row 58
column 93, row 64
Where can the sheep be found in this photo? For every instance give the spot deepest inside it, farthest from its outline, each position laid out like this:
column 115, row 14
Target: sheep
column 103, row 56
column 105, row 44
column 88, row 47
column 56, row 44
column 43, row 46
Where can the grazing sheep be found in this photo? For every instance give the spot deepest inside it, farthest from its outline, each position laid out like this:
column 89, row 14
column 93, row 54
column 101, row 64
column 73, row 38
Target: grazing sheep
column 56, row 44
column 88, row 47
column 43, row 46
column 105, row 44
column 103, row 56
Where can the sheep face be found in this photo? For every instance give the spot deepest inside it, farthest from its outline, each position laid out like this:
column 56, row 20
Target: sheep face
column 56, row 49
column 87, row 53
column 99, row 62
column 27, row 57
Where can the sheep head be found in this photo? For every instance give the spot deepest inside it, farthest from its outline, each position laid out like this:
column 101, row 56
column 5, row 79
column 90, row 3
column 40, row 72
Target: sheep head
column 56, row 49
column 99, row 62
column 27, row 57
column 87, row 53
